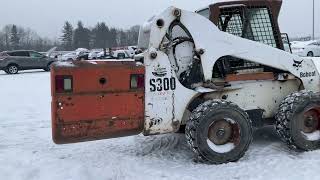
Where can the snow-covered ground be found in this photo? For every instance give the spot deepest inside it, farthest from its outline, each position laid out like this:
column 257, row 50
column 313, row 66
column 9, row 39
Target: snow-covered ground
column 27, row 151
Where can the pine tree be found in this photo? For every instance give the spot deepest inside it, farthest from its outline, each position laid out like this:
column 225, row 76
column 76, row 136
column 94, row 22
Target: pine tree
column 67, row 36
column 81, row 37
column 113, row 37
column 100, row 34
column 104, row 35
column 2, row 42
column 14, row 37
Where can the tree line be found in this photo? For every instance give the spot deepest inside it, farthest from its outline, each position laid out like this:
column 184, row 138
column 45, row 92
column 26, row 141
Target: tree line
column 100, row 36
column 13, row 37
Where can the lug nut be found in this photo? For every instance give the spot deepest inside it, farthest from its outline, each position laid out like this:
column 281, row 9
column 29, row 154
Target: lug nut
column 220, row 133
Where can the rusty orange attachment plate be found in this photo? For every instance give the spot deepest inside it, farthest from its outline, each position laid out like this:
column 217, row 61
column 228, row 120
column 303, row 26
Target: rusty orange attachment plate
column 101, row 104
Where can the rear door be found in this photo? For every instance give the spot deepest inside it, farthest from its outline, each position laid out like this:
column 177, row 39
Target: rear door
column 96, row 100
column 21, row 58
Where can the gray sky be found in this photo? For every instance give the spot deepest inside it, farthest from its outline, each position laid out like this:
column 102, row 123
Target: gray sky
column 47, row 16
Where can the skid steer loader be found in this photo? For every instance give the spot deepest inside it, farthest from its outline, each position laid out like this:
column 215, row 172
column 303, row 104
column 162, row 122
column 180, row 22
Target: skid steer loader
column 217, row 73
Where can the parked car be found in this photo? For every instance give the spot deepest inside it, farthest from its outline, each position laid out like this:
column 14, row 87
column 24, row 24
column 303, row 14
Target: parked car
column 69, row 56
column 107, row 57
column 83, row 56
column 14, row 61
column 93, row 54
column 132, row 50
column 73, row 55
column 139, row 57
column 118, row 54
column 306, row 48
column 121, row 54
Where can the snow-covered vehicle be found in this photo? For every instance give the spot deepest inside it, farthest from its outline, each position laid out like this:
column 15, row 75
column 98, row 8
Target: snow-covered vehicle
column 216, row 75
column 121, row 54
column 115, row 54
column 307, row 48
column 132, row 51
column 94, row 54
column 71, row 56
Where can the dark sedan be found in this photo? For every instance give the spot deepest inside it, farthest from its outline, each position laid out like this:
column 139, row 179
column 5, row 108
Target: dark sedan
column 14, row 61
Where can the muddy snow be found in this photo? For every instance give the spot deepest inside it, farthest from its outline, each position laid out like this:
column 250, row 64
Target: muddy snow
column 27, row 151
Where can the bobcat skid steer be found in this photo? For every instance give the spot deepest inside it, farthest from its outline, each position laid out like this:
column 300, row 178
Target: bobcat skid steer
column 217, row 73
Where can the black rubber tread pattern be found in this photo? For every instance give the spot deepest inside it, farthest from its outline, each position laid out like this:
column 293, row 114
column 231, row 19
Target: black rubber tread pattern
column 286, row 114
column 192, row 128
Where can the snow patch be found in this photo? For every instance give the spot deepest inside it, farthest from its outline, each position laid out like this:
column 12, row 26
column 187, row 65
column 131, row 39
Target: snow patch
column 92, row 62
column 27, row 151
column 64, row 64
column 203, row 90
column 315, row 136
column 230, row 120
column 221, row 148
column 139, row 64
column 113, row 60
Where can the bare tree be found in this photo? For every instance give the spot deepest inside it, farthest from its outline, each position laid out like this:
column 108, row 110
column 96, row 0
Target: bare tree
column 14, row 37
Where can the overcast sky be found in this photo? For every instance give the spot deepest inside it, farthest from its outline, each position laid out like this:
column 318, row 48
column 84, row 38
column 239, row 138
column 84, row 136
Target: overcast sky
column 47, row 16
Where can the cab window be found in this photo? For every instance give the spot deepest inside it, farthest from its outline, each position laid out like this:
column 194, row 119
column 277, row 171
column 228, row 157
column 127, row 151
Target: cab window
column 19, row 54
column 261, row 26
column 252, row 23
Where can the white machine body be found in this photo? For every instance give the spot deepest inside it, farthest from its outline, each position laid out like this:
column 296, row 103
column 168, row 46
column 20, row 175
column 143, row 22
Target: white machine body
column 167, row 99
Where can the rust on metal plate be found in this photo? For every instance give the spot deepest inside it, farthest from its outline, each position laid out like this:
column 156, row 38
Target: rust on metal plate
column 101, row 105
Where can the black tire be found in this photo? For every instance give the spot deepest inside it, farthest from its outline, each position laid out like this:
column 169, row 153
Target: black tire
column 121, row 56
column 293, row 123
column 12, row 69
column 310, row 54
column 201, row 121
column 48, row 68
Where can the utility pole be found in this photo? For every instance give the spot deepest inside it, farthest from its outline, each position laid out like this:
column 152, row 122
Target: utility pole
column 313, row 22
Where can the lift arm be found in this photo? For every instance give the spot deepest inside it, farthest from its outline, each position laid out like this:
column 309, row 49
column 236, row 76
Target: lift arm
column 215, row 44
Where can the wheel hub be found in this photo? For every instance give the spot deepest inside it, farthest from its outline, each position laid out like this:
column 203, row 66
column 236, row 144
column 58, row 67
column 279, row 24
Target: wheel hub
column 220, row 132
column 310, row 121
column 12, row 69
